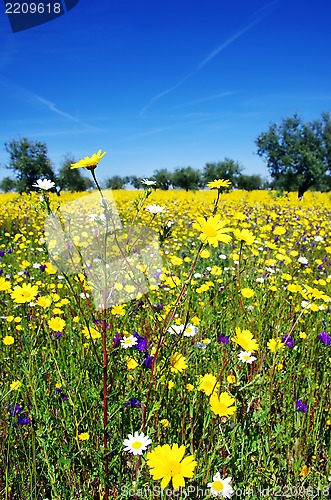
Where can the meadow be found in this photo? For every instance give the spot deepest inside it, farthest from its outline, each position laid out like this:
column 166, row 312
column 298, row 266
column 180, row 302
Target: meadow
column 211, row 380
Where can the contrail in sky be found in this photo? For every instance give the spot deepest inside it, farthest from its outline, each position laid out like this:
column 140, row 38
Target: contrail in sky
column 263, row 13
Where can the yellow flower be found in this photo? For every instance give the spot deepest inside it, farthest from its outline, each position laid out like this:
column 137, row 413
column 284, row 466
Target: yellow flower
column 84, row 436
column 247, row 293
column 118, row 310
column 222, row 405
column 131, row 363
column 219, row 183
column 14, row 386
column 89, row 162
column 4, row 285
column 165, row 422
column 56, row 324
column 245, row 340
column 212, row 230
column 44, row 302
column 208, row 384
column 94, row 333
column 24, row 293
column 274, row 345
column 170, row 384
column 231, row 379
column 304, row 471
column 8, row 340
column 178, row 362
column 189, row 387
column 167, row 463
column 244, row 235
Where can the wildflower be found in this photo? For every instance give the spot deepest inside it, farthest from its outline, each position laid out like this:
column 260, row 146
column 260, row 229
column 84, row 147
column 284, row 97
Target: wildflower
column 84, row 436
column 89, row 162
column 223, row 339
column 132, row 402
column 220, row 487
column 147, row 182
column 142, row 344
column 131, row 363
column 303, row 260
column 165, row 422
column 231, row 379
column 219, row 183
column 148, row 362
column 178, row 362
column 247, row 293
column 24, row 293
column 245, row 339
column 304, row 471
column 208, row 383
column 166, row 462
column 300, row 406
column 8, row 340
column 4, row 285
column 44, row 184
column 118, row 310
column 288, row 340
column 212, row 230
column 246, row 357
column 244, row 235
column 14, row 386
column 137, row 443
column 222, row 405
column 91, row 333
column 128, row 342
column 275, row 345
column 56, row 324
column 325, row 338
column 154, row 209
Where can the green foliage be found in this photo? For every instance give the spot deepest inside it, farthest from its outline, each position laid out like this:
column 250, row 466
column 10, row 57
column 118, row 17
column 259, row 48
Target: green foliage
column 298, row 154
column 8, row 184
column 163, row 178
column 116, row 182
column 227, row 169
column 186, row 178
column 135, row 181
column 249, row 182
column 29, row 161
column 71, row 179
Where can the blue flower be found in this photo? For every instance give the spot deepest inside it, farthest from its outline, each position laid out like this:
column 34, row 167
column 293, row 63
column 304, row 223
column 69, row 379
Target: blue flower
column 301, row 406
column 325, row 338
column 132, row 402
column 288, row 340
column 223, row 339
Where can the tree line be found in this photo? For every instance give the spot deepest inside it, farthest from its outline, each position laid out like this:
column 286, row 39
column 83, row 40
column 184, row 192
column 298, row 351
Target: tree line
column 297, row 154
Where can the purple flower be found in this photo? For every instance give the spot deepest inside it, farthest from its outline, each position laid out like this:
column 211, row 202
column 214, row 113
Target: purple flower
column 301, row 406
column 117, row 340
column 288, row 340
column 132, row 402
column 14, row 410
column 325, row 338
column 148, row 362
column 223, row 339
column 141, row 345
column 58, row 335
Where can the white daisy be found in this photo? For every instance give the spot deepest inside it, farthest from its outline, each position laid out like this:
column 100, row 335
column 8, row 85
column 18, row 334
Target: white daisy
column 44, row 184
column 137, row 443
column 221, row 487
column 147, row 182
column 128, row 342
column 154, row 209
column 303, row 260
column 246, row 357
column 190, row 330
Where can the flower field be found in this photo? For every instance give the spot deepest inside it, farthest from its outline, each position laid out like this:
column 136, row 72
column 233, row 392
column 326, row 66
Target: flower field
column 211, row 380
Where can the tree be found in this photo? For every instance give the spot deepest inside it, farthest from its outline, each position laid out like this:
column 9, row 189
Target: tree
column 8, row 184
column 298, row 154
column 135, row 181
column 116, row 182
column 249, row 182
column 227, row 169
column 163, row 178
column 29, row 162
column 72, row 179
column 186, row 178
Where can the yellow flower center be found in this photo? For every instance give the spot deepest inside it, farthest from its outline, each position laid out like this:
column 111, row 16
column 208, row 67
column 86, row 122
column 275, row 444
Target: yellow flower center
column 217, row 486
column 174, row 468
column 247, row 357
column 136, row 445
column 209, row 231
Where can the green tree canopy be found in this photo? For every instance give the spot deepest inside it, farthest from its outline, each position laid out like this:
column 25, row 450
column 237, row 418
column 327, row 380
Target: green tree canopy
column 8, row 184
column 116, row 182
column 249, row 182
column 186, row 178
column 163, row 178
column 298, row 154
column 72, row 179
column 29, row 162
column 227, row 169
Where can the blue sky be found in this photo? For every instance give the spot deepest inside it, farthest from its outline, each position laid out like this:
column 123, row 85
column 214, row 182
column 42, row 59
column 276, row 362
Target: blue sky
column 166, row 83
